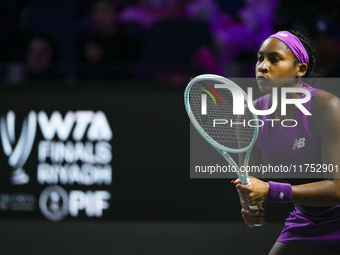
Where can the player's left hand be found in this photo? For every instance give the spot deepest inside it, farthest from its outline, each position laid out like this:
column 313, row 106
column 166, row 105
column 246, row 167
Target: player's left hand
column 254, row 193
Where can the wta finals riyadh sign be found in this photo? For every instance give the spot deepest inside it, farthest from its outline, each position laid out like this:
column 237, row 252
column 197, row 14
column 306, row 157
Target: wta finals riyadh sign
column 57, row 158
column 75, row 149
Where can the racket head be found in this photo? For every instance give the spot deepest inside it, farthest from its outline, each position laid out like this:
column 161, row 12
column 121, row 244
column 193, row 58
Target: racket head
column 219, row 105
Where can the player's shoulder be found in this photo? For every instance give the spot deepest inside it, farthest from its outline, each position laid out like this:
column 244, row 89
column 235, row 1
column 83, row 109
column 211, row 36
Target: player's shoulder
column 327, row 101
column 326, row 104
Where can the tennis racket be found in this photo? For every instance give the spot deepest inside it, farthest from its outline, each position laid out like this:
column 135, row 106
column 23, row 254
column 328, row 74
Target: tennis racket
column 210, row 108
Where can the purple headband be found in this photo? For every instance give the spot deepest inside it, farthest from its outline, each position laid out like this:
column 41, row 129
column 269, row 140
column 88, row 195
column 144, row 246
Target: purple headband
column 294, row 44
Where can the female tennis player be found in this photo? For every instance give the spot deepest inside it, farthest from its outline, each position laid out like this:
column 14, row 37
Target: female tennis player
column 314, row 225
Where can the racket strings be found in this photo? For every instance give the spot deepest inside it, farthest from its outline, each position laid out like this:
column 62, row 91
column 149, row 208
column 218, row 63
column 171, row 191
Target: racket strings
column 219, row 122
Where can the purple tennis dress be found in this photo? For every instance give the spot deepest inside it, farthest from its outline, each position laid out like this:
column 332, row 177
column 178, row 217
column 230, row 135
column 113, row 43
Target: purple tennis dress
column 298, row 145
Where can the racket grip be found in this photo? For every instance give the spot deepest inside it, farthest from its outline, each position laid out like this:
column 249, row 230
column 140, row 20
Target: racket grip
column 255, row 208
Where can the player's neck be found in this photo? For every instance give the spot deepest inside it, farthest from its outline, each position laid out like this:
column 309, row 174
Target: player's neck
column 290, row 108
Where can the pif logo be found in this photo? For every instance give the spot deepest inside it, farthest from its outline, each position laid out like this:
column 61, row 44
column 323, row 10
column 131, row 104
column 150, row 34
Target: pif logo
column 55, row 203
column 239, row 99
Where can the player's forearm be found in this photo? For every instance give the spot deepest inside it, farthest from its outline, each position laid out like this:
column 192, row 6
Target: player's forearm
column 323, row 193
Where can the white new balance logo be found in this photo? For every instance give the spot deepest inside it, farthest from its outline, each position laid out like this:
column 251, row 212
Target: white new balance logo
column 298, row 143
column 282, row 195
column 283, row 34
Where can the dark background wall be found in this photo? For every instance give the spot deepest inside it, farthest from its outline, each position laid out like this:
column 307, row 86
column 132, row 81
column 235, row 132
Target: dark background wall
column 155, row 208
column 150, row 153
column 152, row 195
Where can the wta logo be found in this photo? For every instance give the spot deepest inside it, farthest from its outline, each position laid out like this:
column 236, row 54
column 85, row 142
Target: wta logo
column 18, row 151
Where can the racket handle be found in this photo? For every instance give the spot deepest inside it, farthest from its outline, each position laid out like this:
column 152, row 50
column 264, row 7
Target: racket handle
column 252, row 207
column 255, row 208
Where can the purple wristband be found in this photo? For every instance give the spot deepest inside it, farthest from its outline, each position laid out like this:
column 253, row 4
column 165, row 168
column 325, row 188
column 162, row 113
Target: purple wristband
column 279, row 192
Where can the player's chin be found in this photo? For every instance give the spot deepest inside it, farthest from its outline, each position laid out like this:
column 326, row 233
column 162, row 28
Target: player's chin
column 265, row 88
column 265, row 85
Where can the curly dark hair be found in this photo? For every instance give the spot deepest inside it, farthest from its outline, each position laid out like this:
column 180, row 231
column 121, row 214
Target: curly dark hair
column 311, row 71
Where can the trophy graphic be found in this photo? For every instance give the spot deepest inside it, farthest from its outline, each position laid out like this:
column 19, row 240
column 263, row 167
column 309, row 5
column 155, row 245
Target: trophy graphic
column 18, row 152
